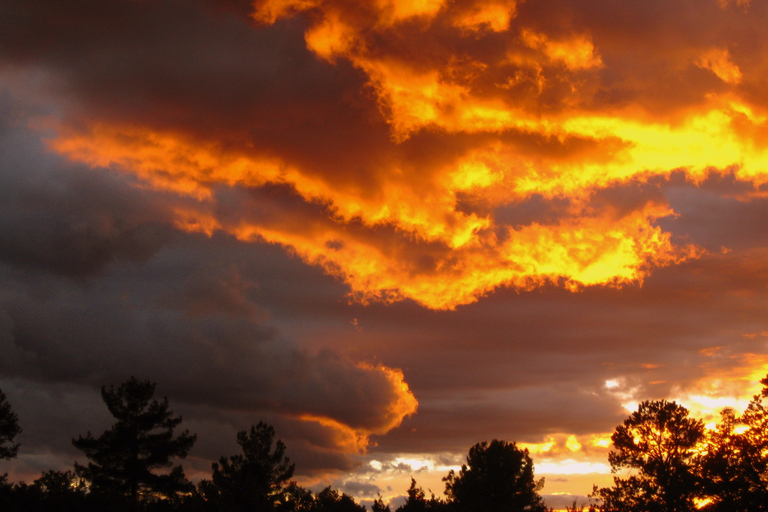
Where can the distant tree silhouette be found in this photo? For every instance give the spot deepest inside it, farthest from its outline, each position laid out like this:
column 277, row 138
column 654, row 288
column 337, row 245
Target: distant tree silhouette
column 734, row 467
column 379, row 506
column 331, row 500
column 254, row 480
column 658, row 441
column 417, row 500
column 9, row 429
column 53, row 491
column 60, row 490
column 575, row 507
column 498, row 477
column 295, row 498
column 123, row 459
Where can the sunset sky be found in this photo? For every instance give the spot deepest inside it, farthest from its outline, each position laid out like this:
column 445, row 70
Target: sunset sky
column 389, row 228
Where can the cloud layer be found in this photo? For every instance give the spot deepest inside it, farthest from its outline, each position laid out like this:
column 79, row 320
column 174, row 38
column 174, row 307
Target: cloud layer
column 430, row 147
column 518, row 218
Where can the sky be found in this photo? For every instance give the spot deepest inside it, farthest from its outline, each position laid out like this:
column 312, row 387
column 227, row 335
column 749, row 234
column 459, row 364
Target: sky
column 391, row 229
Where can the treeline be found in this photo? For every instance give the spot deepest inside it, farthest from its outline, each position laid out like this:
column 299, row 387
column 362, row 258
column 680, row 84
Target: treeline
column 663, row 460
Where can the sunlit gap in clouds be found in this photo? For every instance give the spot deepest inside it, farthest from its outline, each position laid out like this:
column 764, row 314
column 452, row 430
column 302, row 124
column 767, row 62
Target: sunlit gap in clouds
column 732, row 387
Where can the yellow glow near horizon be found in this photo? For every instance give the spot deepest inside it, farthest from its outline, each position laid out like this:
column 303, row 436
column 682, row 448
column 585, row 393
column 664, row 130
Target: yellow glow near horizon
column 571, row 467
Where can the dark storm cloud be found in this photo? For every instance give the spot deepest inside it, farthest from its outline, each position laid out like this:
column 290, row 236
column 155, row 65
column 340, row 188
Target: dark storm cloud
column 152, row 302
column 67, row 219
column 228, row 359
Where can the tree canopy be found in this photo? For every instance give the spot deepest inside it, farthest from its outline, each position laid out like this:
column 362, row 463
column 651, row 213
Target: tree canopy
column 659, row 442
column 254, row 480
column 663, row 460
column 734, row 466
column 9, row 429
column 498, row 477
column 124, row 459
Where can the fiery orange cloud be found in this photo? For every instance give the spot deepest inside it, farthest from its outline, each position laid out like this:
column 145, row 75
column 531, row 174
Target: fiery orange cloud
column 430, row 232
column 471, row 260
column 494, row 16
column 718, row 61
column 576, row 53
column 344, row 438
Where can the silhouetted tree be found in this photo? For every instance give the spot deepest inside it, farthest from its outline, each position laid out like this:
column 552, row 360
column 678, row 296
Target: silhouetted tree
column 734, row 467
column 379, row 506
column 123, row 459
column 9, row 429
column 331, row 500
column 59, row 490
column 253, row 480
column 575, row 507
column 497, row 477
column 295, row 498
column 417, row 500
column 658, row 441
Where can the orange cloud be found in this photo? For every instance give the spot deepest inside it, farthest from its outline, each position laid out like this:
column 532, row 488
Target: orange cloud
column 429, row 230
column 355, row 440
column 575, row 53
column 718, row 60
column 494, row 16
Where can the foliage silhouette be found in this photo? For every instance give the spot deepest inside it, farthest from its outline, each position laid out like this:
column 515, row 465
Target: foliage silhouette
column 659, row 441
column 378, row 505
column 295, row 498
column 331, row 500
column 417, row 500
column 123, row 458
column 253, row 480
column 669, row 463
column 734, row 467
column 9, row 429
column 497, row 477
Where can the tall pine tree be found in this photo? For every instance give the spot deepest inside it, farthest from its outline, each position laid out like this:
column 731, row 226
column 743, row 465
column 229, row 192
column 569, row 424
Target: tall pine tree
column 9, row 429
column 124, row 458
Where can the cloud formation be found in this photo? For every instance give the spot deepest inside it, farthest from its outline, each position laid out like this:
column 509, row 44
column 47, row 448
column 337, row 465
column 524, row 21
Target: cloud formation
column 517, row 217
column 498, row 105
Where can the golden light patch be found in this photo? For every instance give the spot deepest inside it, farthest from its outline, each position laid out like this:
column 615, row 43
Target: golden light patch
column 494, row 16
column 557, row 448
column 411, row 98
column 345, row 438
column 330, row 38
column 718, row 61
column 576, row 53
column 539, row 448
column 725, row 387
column 573, row 444
column 393, row 11
column 602, row 442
